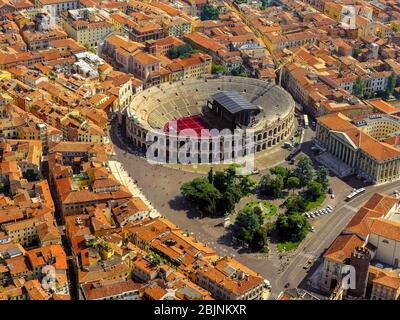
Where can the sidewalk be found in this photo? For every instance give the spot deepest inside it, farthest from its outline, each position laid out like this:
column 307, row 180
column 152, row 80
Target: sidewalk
column 122, row 176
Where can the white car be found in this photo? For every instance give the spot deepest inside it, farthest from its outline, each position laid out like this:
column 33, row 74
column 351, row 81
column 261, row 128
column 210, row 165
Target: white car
column 312, row 229
column 312, row 215
column 330, row 206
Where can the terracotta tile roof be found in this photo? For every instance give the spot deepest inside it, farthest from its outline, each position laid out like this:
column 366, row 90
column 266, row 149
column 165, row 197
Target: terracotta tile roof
column 106, row 289
column 359, row 223
column 342, row 248
column 155, row 292
column 385, row 228
column 145, row 58
column 35, row 290
column 383, row 106
column 376, row 149
column 53, row 254
column 17, row 265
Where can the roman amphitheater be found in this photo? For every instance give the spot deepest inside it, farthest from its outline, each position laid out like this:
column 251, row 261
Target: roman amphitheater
column 245, row 103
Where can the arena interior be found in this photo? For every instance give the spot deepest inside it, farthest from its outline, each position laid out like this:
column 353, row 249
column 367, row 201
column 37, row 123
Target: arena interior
column 192, row 104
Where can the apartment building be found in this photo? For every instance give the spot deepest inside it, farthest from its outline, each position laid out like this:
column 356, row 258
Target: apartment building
column 86, row 26
column 55, row 7
column 227, row 279
column 196, row 66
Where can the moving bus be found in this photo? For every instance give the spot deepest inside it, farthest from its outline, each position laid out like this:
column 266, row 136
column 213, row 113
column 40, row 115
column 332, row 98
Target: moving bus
column 355, row 193
column 305, row 121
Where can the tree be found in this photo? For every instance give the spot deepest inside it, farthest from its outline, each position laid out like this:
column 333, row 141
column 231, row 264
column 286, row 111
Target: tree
column 322, row 176
column 280, row 171
column 209, row 13
column 292, row 227
column 359, row 87
column 356, row 52
column 264, row 183
column 248, row 228
column 246, row 184
column 295, row 204
column 217, row 68
column 211, row 176
column 271, row 187
column 228, row 201
column 293, row 183
column 277, row 186
column 202, row 194
column 230, row 197
column 264, row 4
column 391, row 85
column 247, row 223
column 182, row 51
column 259, row 241
column 236, row 71
column 304, row 170
column 314, row 190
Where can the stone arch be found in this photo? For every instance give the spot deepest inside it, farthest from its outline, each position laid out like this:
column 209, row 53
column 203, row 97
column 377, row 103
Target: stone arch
column 265, row 135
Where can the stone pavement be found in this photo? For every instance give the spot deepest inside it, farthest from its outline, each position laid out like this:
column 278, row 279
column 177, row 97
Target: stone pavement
column 123, row 177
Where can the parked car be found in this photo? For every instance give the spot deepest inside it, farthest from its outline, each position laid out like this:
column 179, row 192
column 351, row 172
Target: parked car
column 312, row 229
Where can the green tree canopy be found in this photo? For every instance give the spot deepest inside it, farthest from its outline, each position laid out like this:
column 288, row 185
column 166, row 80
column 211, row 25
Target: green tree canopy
column 182, row 51
column 292, row 227
column 209, row 13
column 304, row 170
column 271, row 186
column 314, row 190
column 280, row 171
column 359, row 87
column 322, row 174
column 202, row 194
column 217, row 68
column 293, row 183
column 248, row 228
column 295, row 204
column 391, row 85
